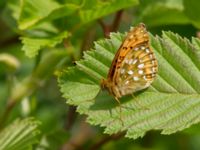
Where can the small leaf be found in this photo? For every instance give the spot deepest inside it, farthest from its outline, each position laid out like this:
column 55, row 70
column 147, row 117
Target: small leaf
column 191, row 9
column 156, row 13
column 170, row 104
column 99, row 9
column 30, row 13
column 34, row 12
column 31, row 46
column 20, row 135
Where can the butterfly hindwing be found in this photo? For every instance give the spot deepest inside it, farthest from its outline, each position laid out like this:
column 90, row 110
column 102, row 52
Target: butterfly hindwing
column 134, row 66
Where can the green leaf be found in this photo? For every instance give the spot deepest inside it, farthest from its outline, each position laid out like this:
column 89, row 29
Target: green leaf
column 196, row 42
column 20, row 135
column 170, row 104
column 34, row 12
column 156, row 13
column 98, row 9
column 191, row 9
column 31, row 46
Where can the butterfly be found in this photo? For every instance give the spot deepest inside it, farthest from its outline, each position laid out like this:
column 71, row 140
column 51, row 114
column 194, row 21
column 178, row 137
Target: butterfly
column 134, row 66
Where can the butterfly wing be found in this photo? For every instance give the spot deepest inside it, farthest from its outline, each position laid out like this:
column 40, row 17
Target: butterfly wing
column 137, row 71
column 134, row 66
column 139, row 66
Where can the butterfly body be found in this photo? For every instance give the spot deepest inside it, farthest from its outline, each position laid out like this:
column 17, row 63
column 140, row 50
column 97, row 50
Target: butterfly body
column 134, row 66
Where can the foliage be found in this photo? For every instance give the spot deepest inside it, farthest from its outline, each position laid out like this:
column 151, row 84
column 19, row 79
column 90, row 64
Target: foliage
column 21, row 134
column 42, row 40
column 170, row 104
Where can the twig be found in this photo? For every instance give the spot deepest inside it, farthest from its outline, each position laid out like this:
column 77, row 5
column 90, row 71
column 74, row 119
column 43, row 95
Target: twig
column 198, row 34
column 106, row 28
column 117, row 20
column 106, row 140
column 114, row 26
column 71, row 116
column 9, row 42
column 88, row 39
column 6, row 113
column 81, row 135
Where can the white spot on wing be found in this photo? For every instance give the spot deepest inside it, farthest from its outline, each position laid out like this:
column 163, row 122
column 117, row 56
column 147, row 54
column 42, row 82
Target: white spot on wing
column 144, row 77
column 142, row 47
column 140, row 71
column 153, row 69
column 122, row 71
column 135, row 78
column 136, row 48
column 127, row 82
column 130, row 72
column 140, row 66
column 130, row 61
column 147, row 50
column 134, row 61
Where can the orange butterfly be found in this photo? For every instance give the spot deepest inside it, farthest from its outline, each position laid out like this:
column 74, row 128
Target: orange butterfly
column 134, row 66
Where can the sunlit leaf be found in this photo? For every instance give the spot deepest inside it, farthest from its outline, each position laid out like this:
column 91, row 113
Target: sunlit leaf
column 156, row 13
column 171, row 104
column 31, row 46
column 20, row 135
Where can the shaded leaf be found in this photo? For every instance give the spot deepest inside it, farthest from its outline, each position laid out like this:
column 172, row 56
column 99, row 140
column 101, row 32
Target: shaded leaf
column 191, row 9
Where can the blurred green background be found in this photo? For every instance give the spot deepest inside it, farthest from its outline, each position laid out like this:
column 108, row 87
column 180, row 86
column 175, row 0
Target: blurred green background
column 40, row 38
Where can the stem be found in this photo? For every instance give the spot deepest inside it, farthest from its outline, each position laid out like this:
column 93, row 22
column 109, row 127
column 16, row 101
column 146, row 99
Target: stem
column 79, row 137
column 88, row 39
column 12, row 40
column 70, row 117
column 106, row 28
column 105, row 140
column 198, row 34
column 6, row 113
column 117, row 20
column 114, row 26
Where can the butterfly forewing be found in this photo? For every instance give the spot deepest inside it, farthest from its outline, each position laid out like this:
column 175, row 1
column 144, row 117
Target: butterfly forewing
column 134, row 66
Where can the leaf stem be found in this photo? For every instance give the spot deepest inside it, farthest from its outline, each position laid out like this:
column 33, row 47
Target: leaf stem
column 113, row 26
column 117, row 20
column 105, row 140
column 71, row 116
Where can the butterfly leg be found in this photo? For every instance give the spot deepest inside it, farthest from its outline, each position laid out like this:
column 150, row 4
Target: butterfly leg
column 120, row 110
